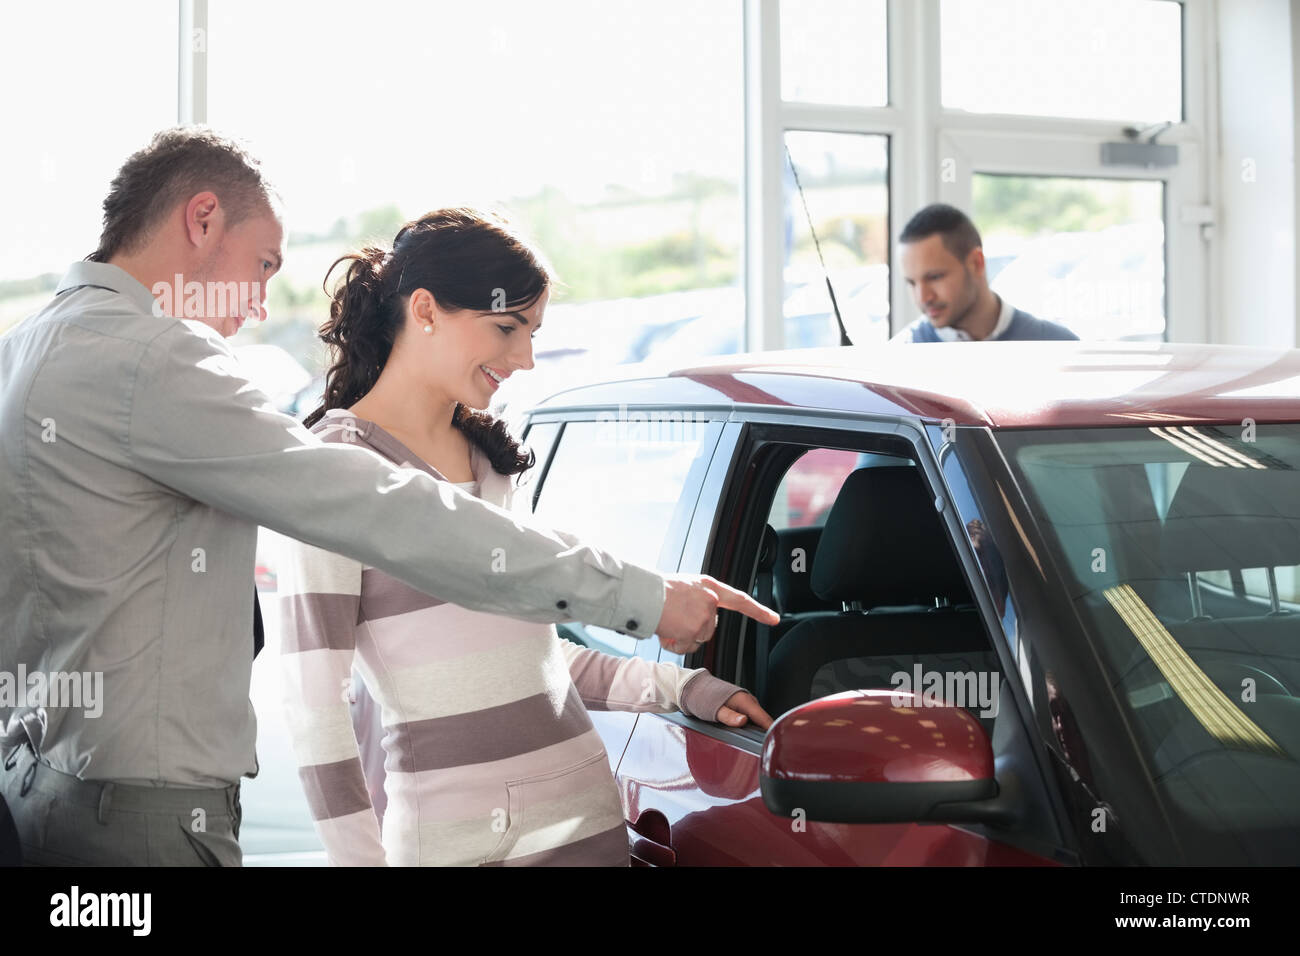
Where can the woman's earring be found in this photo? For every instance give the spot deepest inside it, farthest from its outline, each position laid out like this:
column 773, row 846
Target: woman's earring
column 428, row 328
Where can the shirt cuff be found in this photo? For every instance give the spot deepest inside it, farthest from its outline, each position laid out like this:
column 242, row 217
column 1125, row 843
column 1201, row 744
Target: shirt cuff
column 640, row 602
column 703, row 695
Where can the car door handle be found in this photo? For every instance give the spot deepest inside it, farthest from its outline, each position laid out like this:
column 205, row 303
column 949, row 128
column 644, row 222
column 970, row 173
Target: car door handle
column 649, row 840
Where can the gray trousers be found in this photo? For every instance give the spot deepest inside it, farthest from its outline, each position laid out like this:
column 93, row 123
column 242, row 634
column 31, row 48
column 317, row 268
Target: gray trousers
column 65, row 821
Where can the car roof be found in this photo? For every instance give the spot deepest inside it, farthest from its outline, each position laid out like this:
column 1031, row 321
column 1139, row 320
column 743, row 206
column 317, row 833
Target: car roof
column 996, row 384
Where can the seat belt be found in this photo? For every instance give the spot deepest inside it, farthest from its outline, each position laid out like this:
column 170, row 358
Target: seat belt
column 766, row 562
column 764, row 637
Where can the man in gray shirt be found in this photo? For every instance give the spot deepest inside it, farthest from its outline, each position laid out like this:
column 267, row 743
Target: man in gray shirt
column 136, row 463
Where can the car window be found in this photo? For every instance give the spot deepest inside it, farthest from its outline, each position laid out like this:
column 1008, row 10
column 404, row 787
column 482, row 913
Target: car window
column 540, row 439
column 618, row 485
column 868, row 585
column 985, row 547
column 808, row 489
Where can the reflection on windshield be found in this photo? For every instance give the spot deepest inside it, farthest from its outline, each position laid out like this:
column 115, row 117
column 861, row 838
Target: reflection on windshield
column 1212, row 708
column 1180, row 548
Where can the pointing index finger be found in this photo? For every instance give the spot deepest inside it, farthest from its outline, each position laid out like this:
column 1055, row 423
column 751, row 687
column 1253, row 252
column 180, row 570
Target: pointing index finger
column 734, row 600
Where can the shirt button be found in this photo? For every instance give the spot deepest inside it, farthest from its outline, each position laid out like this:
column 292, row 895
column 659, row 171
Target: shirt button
column 561, row 604
column 631, row 624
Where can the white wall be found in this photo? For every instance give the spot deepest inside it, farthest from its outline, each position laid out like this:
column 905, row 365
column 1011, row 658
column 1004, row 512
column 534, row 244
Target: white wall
column 1295, row 125
column 1257, row 202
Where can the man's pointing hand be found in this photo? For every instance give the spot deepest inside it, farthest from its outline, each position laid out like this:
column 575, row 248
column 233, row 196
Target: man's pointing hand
column 690, row 613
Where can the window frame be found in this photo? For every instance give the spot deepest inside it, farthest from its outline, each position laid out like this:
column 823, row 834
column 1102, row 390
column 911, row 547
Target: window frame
column 798, row 122
column 921, row 133
column 688, row 501
column 720, row 520
column 919, row 130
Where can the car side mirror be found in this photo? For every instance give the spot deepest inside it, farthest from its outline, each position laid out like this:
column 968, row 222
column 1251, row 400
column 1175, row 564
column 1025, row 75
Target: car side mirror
column 882, row 756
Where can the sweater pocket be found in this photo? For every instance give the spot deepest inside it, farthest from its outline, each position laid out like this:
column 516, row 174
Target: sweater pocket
column 552, row 809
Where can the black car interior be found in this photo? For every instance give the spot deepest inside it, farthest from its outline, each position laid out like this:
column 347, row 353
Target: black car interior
column 875, row 591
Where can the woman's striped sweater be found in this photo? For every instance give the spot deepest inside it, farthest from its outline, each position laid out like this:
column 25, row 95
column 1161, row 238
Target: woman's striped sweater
column 489, row 754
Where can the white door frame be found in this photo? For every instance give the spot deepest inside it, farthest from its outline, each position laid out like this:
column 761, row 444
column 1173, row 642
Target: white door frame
column 1078, row 154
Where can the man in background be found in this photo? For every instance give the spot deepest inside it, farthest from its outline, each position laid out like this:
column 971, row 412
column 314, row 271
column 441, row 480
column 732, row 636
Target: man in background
column 943, row 263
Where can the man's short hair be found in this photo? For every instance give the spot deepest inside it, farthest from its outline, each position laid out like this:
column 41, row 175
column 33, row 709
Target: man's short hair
column 178, row 163
column 959, row 234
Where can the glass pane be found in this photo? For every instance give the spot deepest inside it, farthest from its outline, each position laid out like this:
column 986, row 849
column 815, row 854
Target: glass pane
column 1207, row 679
column 602, row 150
column 809, row 488
column 835, row 51
column 1088, row 253
column 803, row 515
column 617, row 485
column 845, row 180
column 1255, row 584
column 60, row 64
column 1105, row 59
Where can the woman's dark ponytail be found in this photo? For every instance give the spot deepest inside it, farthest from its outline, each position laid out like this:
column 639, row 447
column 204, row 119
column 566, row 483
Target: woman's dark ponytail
column 465, row 260
column 493, row 439
column 359, row 338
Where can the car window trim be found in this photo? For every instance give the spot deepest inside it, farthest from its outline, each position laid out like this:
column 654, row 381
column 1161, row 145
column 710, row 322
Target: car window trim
column 545, row 465
column 931, row 459
column 915, row 432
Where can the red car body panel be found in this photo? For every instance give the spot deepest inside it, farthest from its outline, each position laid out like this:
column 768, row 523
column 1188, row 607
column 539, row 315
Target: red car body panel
column 698, row 798
column 826, row 742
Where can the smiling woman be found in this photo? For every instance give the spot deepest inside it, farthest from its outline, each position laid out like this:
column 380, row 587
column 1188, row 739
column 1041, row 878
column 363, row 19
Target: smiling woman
column 436, row 323
column 488, row 755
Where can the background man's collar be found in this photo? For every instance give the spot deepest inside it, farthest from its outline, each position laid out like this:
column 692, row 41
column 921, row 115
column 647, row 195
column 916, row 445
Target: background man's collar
column 1004, row 320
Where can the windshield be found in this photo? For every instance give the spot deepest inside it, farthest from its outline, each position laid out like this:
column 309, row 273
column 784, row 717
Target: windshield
column 1180, row 547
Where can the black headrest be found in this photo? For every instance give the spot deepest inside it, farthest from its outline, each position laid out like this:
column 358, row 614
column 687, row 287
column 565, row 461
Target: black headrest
column 1231, row 518
column 1109, row 530
column 792, row 573
column 884, row 544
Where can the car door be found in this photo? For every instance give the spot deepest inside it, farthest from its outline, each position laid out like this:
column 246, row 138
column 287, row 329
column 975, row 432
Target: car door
column 691, row 788
column 627, row 485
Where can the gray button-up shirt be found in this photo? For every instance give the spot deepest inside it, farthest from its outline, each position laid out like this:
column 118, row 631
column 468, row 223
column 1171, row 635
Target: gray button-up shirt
column 136, row 462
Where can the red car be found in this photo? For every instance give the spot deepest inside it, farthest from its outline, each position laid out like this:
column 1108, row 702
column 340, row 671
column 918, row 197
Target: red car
column 1040, row 601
